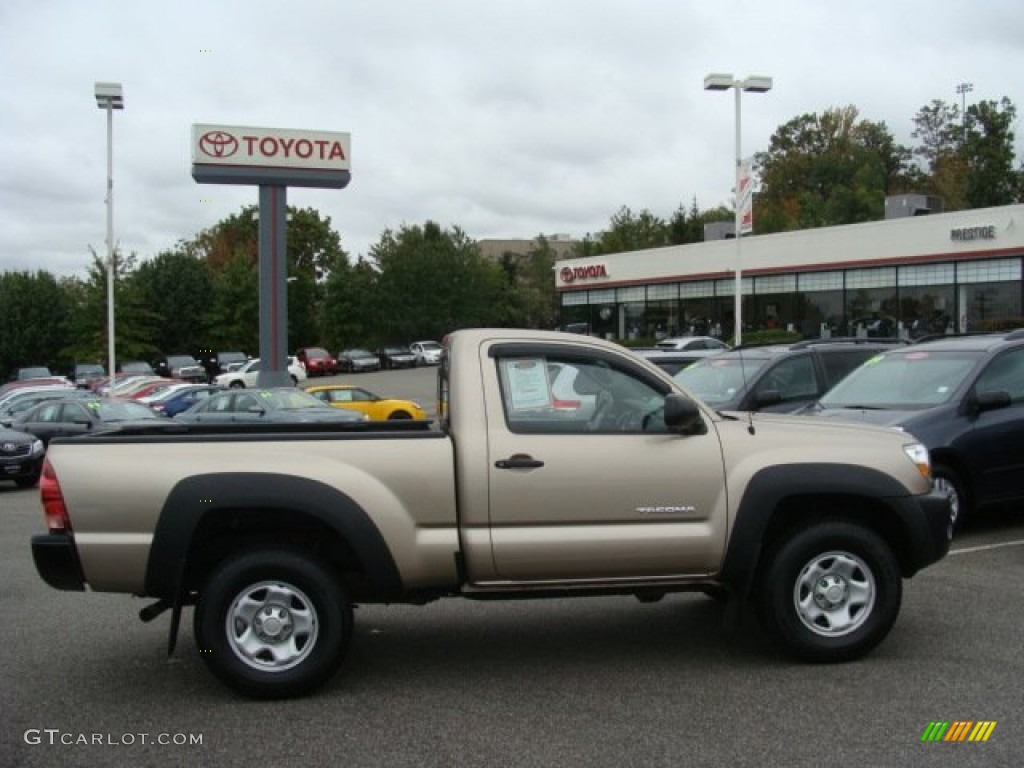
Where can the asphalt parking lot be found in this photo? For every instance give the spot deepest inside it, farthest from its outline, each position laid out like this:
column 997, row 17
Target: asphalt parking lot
column 585, row 682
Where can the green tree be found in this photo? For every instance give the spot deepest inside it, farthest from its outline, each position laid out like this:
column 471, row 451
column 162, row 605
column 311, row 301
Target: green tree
column 828, row 169
column 633, row 232
column 349, row 305
column 968, row 157
column 135, row 325
column 442, row 275
column 178, row 288
column 314, row 250
column 991, row 179
column 688, row 226
column 33, row 310
column 235, row 311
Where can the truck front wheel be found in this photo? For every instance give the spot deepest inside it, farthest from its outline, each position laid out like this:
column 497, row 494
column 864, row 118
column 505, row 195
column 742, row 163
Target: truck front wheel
column 272, row 624
column 831, row 592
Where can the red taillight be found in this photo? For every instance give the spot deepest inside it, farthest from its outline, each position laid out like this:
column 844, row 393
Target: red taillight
column 54, row 510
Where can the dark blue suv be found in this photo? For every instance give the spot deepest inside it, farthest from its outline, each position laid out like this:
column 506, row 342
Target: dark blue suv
column 776, row 378
column 963, row 397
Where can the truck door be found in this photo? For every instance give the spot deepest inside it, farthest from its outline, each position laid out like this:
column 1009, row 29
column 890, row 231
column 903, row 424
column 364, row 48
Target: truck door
column 586, row 481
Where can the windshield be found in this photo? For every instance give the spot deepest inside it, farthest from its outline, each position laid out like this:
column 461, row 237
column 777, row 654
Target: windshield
column 719, row 379
column 290, row 401
column 180, row 361
column 120, row 411
column 904, row 380
column 429, row 345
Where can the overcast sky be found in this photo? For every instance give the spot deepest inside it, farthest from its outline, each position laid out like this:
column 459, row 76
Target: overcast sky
column 506, row 118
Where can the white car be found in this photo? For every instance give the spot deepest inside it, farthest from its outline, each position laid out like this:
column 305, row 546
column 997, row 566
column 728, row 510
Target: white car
column 427, row 352
column 247, row 375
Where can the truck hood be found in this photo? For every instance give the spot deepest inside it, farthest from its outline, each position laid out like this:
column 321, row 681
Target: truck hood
column 814, row 422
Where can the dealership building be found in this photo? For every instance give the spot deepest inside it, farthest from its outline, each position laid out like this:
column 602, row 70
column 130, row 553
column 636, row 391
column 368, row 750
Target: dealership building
column 908, row 275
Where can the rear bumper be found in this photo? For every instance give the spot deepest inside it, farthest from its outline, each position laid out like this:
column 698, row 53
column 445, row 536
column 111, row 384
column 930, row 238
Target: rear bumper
column 57, row 561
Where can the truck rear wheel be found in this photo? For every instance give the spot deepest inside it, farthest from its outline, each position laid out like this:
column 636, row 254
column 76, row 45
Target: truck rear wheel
column 272, row 623
column 831, row 592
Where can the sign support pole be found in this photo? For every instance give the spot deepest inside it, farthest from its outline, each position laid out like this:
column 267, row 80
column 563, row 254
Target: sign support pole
column 273, row 264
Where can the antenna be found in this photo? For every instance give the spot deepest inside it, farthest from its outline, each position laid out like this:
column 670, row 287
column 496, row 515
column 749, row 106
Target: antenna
column 743, row 373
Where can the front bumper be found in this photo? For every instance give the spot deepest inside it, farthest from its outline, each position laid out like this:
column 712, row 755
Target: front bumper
column 20, row 467
column 57, row 561
column 928, row 523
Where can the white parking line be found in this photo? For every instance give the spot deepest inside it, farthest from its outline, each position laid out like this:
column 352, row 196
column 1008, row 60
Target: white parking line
column 984, row 547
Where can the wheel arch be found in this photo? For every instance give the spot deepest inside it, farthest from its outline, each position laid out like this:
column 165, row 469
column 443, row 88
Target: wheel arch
column 209, row 516
column 779, row 499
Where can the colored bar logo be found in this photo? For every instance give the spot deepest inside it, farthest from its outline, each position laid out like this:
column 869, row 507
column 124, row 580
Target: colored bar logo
column 958, row 730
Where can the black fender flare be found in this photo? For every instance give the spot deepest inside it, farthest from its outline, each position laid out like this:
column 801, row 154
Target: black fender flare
column 194, row 498
column 768, row 487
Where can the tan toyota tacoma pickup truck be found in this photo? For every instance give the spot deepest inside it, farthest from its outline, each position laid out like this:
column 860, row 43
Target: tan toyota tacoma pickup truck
column 560, row 465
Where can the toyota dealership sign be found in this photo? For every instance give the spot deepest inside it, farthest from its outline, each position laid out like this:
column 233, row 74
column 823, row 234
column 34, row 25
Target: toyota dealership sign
column 226, row 154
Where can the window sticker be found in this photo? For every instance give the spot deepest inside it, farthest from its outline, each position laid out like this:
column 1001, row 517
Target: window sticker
column 527, row 383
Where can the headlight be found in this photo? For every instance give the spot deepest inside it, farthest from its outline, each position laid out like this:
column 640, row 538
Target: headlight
column 38, row 447
column 918, row 454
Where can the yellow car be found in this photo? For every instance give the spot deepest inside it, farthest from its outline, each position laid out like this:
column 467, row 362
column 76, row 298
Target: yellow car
column 375, row 407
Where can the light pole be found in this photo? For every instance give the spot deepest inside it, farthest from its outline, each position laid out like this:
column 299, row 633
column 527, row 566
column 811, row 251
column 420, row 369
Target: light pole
column 963, row 89
column 752, row 84
column 108, row 97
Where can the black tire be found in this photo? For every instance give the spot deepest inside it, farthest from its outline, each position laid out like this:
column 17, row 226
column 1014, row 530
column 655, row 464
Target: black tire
column 295, row 381
column 830, row 592
column 237, row 384
column 949, row 482
column 272, row 592
column 398, row 415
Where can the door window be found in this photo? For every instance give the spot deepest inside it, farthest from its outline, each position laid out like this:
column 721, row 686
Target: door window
column 553, row 394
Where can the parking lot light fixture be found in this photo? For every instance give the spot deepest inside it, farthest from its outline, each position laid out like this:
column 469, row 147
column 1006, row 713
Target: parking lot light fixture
column 109, row 97
column 753, row 84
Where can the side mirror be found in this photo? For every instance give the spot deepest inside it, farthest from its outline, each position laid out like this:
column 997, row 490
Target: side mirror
column 992, row 400
column 683, row 416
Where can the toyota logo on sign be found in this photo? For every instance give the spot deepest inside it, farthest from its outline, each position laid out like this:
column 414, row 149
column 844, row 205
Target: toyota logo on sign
column 218, row 144
column 567, row 275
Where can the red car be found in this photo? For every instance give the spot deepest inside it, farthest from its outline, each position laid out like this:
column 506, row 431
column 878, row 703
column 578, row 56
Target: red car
column 317, row 361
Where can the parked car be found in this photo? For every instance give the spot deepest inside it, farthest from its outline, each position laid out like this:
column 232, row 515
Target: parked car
column 427, row 352
column 248, row 374
column 702, row 344
column 779, row 378
column 53, row 381
column 7, row 394
column 396, row 357
column 317, row 361
column 21, row 401
column 66, row 418
column 31, row 372
column 672, row 355
column 357, row 360
column 963, row 397
column 270, row 404
column 216, row 363
column 135, row 368
column 134, row 386
column 174, row 400
column 21, row 457
column 375, row 407
column 184, row 367
column 84, row 375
